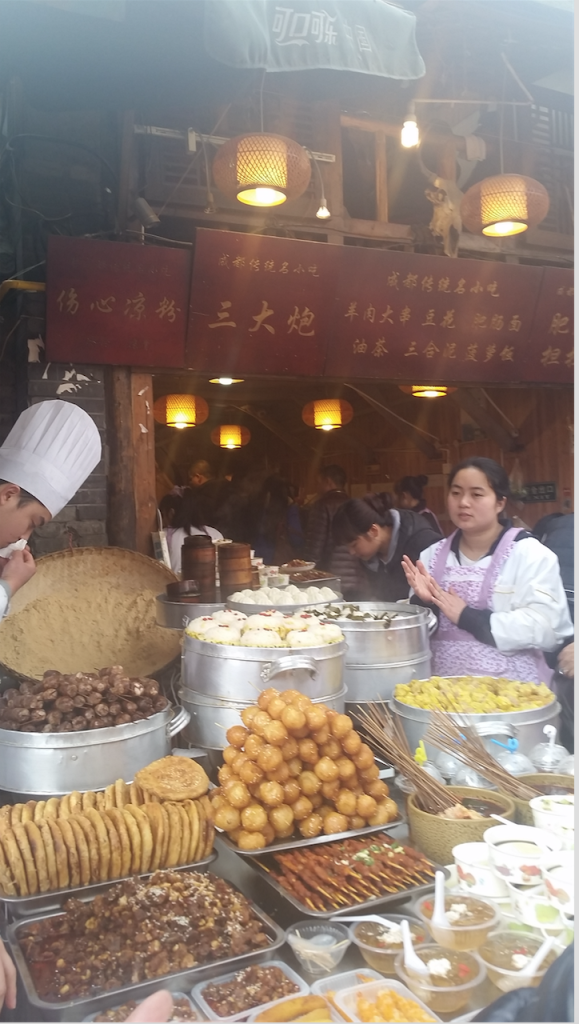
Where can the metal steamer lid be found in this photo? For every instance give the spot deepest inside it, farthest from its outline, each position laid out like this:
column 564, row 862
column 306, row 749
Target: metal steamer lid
column 261, row 654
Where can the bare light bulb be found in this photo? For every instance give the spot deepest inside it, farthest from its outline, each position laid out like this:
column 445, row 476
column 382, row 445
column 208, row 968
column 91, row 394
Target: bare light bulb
column 410, row 136
column 323, row 212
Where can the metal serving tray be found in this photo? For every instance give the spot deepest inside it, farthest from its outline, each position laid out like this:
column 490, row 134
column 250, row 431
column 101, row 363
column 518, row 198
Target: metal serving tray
column 18, row 907
column 287, row 609
column 180, row 981
column 333, row 582
column 298, row 844
column 368, row 905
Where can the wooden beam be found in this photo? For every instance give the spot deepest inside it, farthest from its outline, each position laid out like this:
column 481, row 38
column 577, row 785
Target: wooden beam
column 381, row 177
column 143, row 435
column 470, row 401
column 370, row 125
column 372, row 396
column 121, row 525
column 270, row 424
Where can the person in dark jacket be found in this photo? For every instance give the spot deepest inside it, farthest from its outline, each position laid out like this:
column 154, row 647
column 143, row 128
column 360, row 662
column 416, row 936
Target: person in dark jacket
column 320, row 547
column 379, row 536
column 557, row 532
column 409, row 494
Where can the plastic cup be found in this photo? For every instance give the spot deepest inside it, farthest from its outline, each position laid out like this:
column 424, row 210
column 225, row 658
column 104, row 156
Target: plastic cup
column 382, row 958
column 318, row 946
column 505, row 979
column 440, row 997
column 456, row 935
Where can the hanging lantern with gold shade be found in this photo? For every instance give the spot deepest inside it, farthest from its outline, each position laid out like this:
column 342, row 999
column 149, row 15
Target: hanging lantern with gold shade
column 426, row 390
column 180, row 411
column 327, row 413
column 505, row 204
column 230, row 435
column 262, row 169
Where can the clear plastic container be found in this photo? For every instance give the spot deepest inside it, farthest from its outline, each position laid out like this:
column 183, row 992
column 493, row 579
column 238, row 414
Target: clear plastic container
column 211, row 1014
column 466, row 776
column 506, row 980
column 328, row 987
column 459, row 936
column 567, row 766
column 382, row 957
column 510, row 757
column 318, row 946
column 199, row 1016
column 347, row 1000
column 330, row 1014
column 442, row 998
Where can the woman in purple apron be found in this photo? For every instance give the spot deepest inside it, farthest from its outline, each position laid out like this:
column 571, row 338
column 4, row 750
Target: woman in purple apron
column 497, row 590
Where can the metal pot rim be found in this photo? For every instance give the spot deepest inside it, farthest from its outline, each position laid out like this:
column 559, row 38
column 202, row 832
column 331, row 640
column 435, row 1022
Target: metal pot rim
column 407, row 616
column 260, row 654
column 204, row 700
column 422, row 714
column 88, row 737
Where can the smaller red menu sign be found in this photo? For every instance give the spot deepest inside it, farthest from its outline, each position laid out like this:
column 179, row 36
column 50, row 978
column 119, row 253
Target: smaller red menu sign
column 550, row 351
column 260, row 304
column 116, row 303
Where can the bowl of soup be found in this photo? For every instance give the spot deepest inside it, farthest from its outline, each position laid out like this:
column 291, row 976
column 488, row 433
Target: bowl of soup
column 519, row 852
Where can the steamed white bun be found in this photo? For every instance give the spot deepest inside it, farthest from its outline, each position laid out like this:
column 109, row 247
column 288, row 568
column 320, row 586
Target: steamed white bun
column 261, row 638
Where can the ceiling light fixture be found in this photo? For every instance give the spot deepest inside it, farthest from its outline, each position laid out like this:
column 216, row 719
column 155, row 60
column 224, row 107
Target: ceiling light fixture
column 226, row 381
column 180, row 411
column 323, row 211
column 505, row 204
column 426, row 390
column 410, row 135
column 230, row 435
column 327, row 413
column 261, row 169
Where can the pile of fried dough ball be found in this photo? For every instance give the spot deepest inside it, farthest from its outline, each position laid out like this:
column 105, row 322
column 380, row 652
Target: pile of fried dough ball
column 294, row 765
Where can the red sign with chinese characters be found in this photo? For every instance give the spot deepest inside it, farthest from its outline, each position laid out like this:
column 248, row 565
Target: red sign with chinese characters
column 260, row 304
column 550, row 355
column 429, row 318
column 116, row 303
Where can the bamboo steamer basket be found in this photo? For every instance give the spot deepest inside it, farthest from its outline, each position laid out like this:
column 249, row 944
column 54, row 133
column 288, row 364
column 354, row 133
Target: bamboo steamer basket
column 81, row 579
column 436, row 836
column 523, row 813
column 234, row 567
column 198, row 563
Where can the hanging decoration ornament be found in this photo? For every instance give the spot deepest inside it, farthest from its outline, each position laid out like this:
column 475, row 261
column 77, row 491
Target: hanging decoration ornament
column 230, row 435
column 181, row 411
column 262, row 169
column 327, row 413
column 426, row 390
column 505, row 204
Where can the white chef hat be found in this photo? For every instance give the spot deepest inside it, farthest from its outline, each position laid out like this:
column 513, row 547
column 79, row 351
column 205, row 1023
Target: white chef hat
column 50, row 451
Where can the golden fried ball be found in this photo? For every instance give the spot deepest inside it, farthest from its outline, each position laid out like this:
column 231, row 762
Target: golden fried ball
column 218, row 799
column 346, row 802
column 224, row 773
column 302, row 702
column 316, row 800
column 253, row 818
column 356, row 822
column 386, row 810
column 309, row 783
column 269, row 758
column 330, row 790
column 237, row 735
column 238, row 795
column 281, row 818
column 335, row 822
column 351, row 743
column 326, row 769
column 248, row 714
column 260, row 720
column 253, row 745
column 265, row 697
column 268, row 833
column 346, row 768
column 325, row 809
column 271, row 794
column 239, row 761
column 251, row 841
column 254, row 789
column 250, row 773
column 227, row 818
column 291, row 791
column 370, row 774
column 235, row 834
column 308, row 751
column 230, row 753
column 364, row 758
column 315, row 717
column 290, row 748
column 311, row 826
column 288, row 696
column 340, row 726
column 331, row 749
column 366, row 806
column 281, row 774
column 275, row 733
column 293, row 718
column 275, row 708
column 378, row 789
column 295, row 767
column 321, row 736
column 287, row 832
column 302, row 808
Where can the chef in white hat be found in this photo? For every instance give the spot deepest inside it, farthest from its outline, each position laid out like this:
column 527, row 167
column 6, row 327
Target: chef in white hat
column 47, row 456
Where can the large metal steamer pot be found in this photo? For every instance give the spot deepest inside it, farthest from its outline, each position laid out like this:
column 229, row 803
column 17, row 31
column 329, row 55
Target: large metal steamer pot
column 240, row 673
column 178, row 614
column 381, row 654
column 286, row 609
column 211, row 717
column 526, row 726
column 51, row 764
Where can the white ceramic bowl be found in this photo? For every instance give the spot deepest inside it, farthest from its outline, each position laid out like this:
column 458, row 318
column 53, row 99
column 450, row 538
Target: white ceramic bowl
column 518, row 852
column 556, row 815
column 533, row 907
column 559, row 879
column 475, row 872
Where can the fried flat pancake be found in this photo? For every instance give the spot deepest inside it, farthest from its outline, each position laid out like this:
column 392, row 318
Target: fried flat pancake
column 75, row 802
column 146, row 836
column 15, row 862
column 159, row 822
column 81, row 849
column 191, row 808
column 104, row 846
column 92, row 846
column 185, row 834
column 135, row 795
column 64, row 807
column 52, row 806
column 60, row 853
column 135, row 840
column 174, row 851
column 39, row 811
column 210, row 826
column 70, row 844
column 38, row 854
column 26, row 853
column 121, row 793
column 28, row 811
column 110, row 797
column 100, row 801
column 49, row 853
column 119, row 822
column 202, row 831
column 6, row 879
column 16, row 814
column 173, row 778
column 88, row 800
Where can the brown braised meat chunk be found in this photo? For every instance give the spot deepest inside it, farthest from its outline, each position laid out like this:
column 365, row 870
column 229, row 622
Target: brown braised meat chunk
column 65, row 703
column 139, row 930
column 249, row 988
column 182, row 1010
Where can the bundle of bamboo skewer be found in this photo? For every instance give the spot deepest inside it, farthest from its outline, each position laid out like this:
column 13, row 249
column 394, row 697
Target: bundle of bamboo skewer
column 453, row 735
column 385, row 735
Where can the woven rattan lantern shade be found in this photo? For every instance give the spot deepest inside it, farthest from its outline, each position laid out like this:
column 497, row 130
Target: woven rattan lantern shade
column 505, row 204
column 230, row 435
column 426, row 390
column 181, row 411
column 262, row 169
column 327, row 413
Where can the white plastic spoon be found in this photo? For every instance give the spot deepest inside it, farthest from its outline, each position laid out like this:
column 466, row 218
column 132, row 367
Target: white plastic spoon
column 366, row 917
column 503, row 821
column 439, row 918
column 535, row 962
column 412, row 962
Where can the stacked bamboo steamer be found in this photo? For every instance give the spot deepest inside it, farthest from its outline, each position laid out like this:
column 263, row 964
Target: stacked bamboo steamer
column 198, row 563
column 234, row 568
